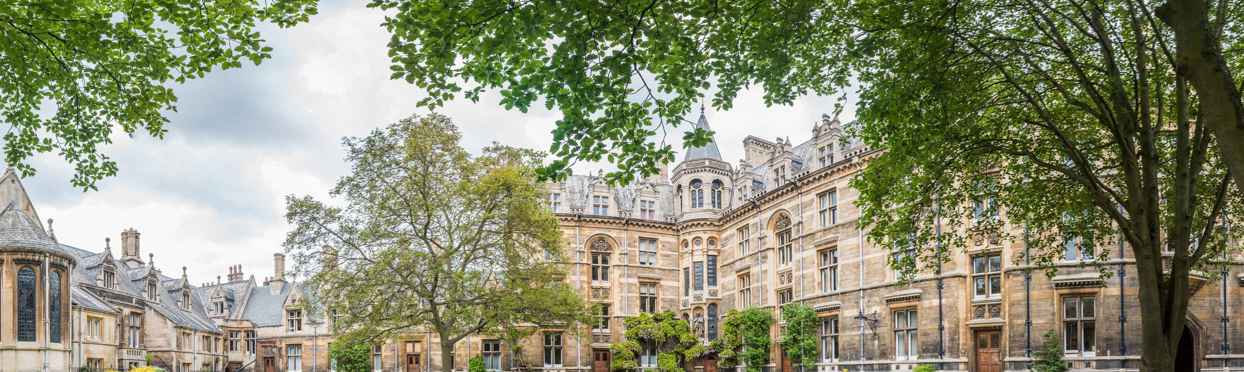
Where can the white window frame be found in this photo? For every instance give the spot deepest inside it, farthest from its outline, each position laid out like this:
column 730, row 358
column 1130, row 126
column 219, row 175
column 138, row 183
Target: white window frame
column 553, row 349
column 829, row 338
column 784, row 236
column 986, row 271
column 827, row 213
column 1078, row 319
column 293, row 357
column 648, row 251
column 906, row 341
column 743, row 234
column 745, row 290
column 648, row 297
column 490, row 350
column 828, row 269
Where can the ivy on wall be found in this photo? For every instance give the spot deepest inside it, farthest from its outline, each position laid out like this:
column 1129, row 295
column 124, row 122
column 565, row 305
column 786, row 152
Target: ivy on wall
column 672, row 337
column 799, row 334
column 744, row 339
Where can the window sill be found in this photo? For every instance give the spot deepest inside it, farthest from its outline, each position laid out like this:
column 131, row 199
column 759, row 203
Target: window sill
column 986, row 300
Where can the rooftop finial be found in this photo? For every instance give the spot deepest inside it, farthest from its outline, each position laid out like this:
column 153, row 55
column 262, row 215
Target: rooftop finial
column 108, row 245
column 701, row 108
column 151, row 259
column 51, row 232
column 183, row 272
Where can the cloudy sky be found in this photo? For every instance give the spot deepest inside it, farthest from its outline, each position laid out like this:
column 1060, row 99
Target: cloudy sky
column 210, row 194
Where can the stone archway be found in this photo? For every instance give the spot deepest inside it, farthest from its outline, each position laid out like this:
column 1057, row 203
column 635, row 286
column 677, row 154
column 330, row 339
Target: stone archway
column 1186, row 357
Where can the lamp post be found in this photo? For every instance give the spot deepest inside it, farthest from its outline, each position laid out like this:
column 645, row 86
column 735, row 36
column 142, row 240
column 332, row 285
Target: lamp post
column 315, row 332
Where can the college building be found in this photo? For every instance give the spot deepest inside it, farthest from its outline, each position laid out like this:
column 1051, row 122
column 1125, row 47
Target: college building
column 780, row 225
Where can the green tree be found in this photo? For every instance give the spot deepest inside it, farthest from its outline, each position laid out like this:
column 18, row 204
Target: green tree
column 1128, row 111
column 744, row 339
column 351, row 356
column 799, row 334
column 421, row 235
column 663, row 333
column 73, row 71
column 1050, row 357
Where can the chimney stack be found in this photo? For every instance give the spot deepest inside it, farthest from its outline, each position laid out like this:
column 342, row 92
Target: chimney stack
column 129, row 244
column 278, row 267
column 235, row 273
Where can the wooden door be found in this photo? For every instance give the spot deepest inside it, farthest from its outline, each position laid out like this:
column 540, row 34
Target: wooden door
column 412, row 363
column 269, row 364
column 786, row 367
column 600, row 360
column 988, row 351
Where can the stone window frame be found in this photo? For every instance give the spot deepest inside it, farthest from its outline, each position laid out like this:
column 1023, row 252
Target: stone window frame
column 648, row 299
column 827, row 207
column 490, row 351
column 1082, row 344
column 987, row 269
column 783, row 234
column 553, row 346
column 648, row 253
column 827, row 269
column 744, row 281
column 743, row 234
column 906, row 333
column 828, row 331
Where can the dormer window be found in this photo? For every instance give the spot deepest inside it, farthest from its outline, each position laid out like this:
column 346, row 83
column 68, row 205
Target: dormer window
column 293, row 320
column 109, row 279
column 153, row 290
column 185, row 299
column 218, row 307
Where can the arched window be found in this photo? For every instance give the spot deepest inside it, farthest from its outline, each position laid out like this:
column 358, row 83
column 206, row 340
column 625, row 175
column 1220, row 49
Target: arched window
column 712, row 322
column 185, row 299
column 716, row 193
column 54, row 310
column 782, row 232
column 153, row 290
column 697, row 194
column 678, row 195
column 600, row 260
column 26, row 304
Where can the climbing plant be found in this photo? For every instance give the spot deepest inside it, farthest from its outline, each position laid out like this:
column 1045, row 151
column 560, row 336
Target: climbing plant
column 744, row 339
column 671, row 336
column 799, row 334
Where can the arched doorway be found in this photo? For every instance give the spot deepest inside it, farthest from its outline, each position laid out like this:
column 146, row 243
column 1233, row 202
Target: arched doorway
column 1186, row 355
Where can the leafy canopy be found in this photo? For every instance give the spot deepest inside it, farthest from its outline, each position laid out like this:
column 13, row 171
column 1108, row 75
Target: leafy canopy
column 744, row 339
column 72, row 71
column 421, row 234
column 663, row 332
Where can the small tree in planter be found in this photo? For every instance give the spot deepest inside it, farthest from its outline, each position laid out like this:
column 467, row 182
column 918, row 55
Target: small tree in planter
column 744, row 339
column 799, row 334
column 671, row 336
column 1050, row 357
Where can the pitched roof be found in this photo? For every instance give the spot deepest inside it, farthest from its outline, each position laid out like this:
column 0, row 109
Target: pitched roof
column 709, row 150
column 20, row 228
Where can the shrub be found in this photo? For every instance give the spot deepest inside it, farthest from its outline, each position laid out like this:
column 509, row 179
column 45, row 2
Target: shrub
column 1050, row 357
column 476, row 364
column 924, row 368
column 351, row 356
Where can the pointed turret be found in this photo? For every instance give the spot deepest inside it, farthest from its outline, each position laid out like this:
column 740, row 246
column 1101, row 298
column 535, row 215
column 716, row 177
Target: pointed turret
column 709, row 150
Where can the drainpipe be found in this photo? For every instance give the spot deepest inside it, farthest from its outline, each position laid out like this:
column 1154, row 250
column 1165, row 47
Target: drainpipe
column 1027, row 297
column 1122, row 308
column 941, row 323
column 47, row 311
column 860, row 236
column 1226, row 344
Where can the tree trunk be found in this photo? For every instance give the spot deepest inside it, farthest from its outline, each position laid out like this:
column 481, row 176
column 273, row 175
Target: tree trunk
column 447, row 355
column 1199, row 57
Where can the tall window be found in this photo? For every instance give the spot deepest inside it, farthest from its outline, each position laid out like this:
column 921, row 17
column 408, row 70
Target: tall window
column 235, row 339
column 905, row 325
column 686, row 282
column 600, row 266
column 647, row 252
column 648, row 356
column 555, row 202
column 698, row 266
column 825, row 154
column 153, row 290
column 95, row 328
column 697, row 194
column 785, row 296
column 552, row 349
column 985, row 209
column 492, row 355
column 250, row 341
column 54, row 309
column 785, row 250
column 745, row 290
column 109, row 279
column 602, row 318
column 134, row 322
column 743, row 234
column 293, row 320
column 712, row 322
column 987, row 276
column 600, row 205
column 185, row 299
column 828, row 212
column 648, row 297
column 716, row 193
column 828, row 263
column 829, row 339
column 377, row 358
column 26, row 304
column 712, row 270
column 1079, row 330
column 1077, row 248
column 648, row 209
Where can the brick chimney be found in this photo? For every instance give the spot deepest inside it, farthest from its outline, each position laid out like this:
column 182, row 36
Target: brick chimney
column 278, row 267
column 235, row 273
column 129, row 244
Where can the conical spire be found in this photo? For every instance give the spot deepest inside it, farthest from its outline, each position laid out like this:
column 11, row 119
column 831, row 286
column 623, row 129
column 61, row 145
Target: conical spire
column 709, row 150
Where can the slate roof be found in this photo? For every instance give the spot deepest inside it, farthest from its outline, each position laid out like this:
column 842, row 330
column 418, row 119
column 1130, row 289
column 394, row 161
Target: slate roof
column 20, row 229
column 85, row 299
column 708, row 151
column 265, row 305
